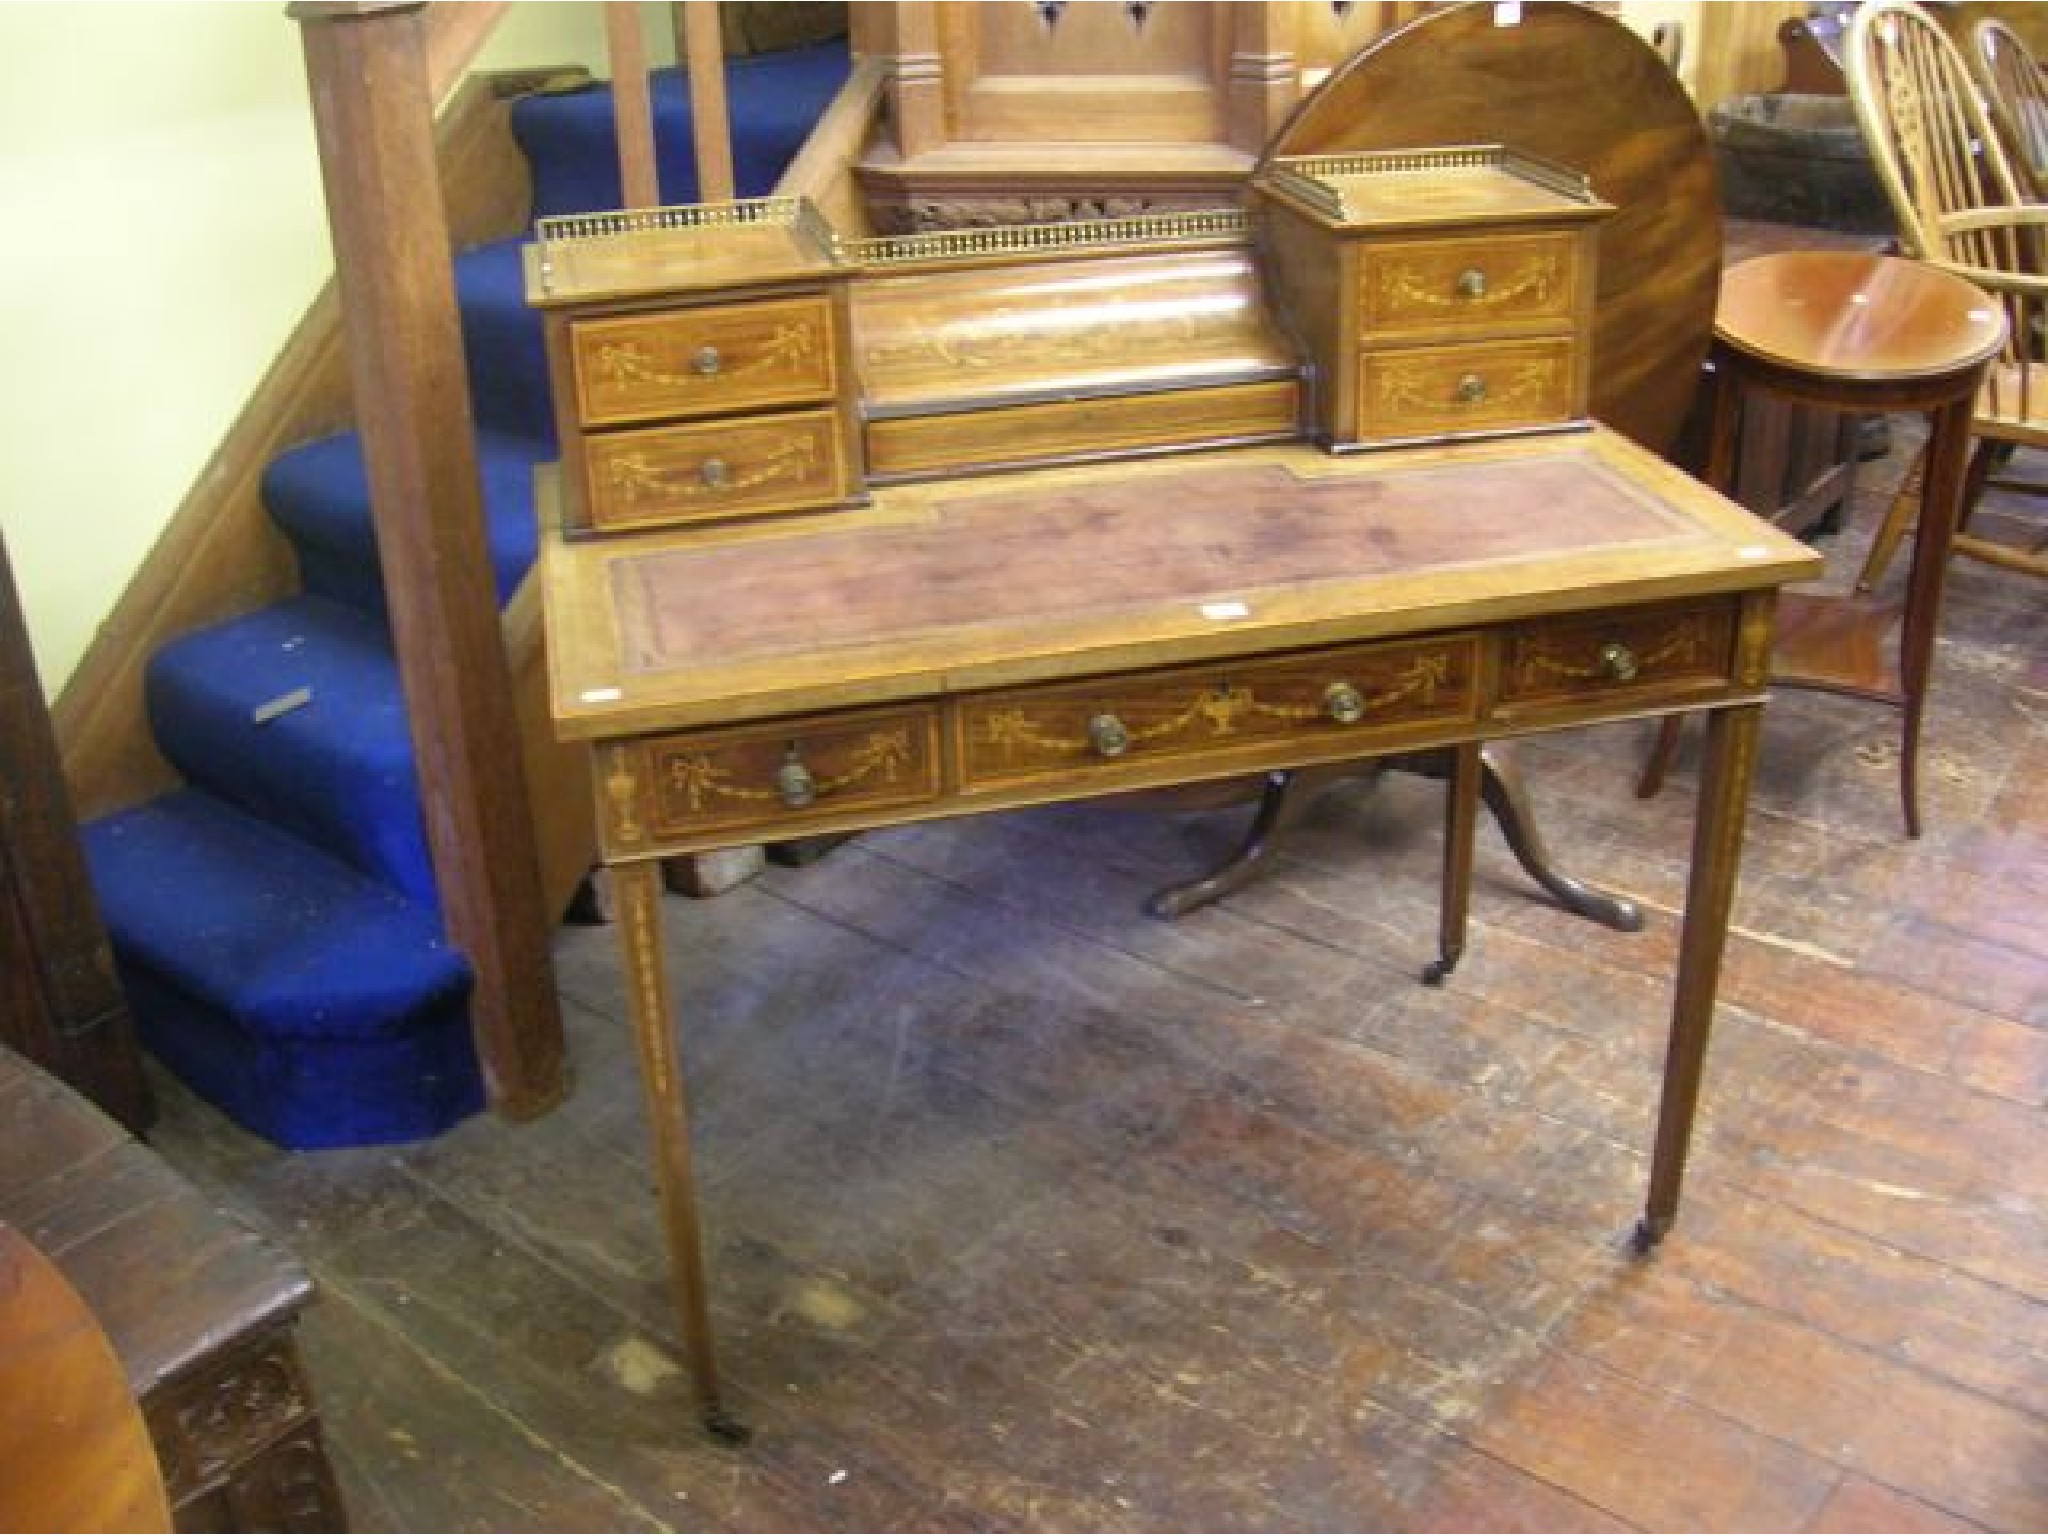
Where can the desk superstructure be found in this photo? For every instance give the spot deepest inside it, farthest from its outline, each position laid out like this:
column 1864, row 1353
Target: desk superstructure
column 1174, row 578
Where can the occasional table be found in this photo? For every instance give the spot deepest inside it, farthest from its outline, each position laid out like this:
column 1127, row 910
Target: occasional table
column 1859, row 333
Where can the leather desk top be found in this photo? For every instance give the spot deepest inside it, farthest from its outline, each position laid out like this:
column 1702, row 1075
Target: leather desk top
column 967, row 583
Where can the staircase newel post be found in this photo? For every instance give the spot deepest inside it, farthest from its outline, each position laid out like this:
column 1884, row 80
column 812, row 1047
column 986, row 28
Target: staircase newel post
column 373, row 115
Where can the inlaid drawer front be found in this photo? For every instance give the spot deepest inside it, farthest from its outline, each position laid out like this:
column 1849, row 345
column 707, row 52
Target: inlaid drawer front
column 1435, row 391
column 1631, row 648
column 1013, row 434
column 708, row 470
column 1177, row 716
column 1440, row 286
column 694, row 362
column 772, row 778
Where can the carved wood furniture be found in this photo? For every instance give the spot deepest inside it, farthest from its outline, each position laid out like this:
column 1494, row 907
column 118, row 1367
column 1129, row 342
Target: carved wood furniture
column 1164, row 585
column 2016, row 91
column 1450, row 292
column 1961, row 207
column 967, row 646
column 1010, row 113
column 1859, row 333
column 674, row 412
column 201, row 1311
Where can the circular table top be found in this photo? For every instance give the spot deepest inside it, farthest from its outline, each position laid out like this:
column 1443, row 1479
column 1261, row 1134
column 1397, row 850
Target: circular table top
column 1854, row 317
column 75, row 1454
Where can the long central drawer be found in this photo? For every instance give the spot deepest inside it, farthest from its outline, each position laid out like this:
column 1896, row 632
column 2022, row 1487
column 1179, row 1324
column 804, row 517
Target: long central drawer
column 1150, row 723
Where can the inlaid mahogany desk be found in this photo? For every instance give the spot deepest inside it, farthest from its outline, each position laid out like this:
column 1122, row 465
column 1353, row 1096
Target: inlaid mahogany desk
column 978, row 644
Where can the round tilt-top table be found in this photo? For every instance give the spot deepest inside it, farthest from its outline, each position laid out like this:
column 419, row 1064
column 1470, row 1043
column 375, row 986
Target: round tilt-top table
column 1860, row 333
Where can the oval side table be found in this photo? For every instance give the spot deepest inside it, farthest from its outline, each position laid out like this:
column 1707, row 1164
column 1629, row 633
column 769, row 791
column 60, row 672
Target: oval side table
column 1857, row 333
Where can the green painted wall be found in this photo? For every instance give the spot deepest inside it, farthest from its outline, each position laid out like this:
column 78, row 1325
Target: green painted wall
column 163, row 233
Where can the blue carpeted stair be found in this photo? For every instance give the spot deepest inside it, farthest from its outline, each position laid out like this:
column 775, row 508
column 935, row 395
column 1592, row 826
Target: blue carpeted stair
column 275, row 920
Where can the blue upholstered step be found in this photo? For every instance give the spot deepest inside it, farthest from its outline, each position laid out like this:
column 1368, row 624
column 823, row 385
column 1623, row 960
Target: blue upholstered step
column 501, row 342
column 333, row 764
column 275, row 923
column 319, row 494
column 776, row 100
column 317, row 1007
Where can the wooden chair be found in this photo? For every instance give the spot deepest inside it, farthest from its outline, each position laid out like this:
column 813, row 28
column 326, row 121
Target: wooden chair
column 1960, row 206
column 2016, row 91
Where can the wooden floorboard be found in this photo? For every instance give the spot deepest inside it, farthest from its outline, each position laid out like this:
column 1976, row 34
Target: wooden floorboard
column 1027, row 1211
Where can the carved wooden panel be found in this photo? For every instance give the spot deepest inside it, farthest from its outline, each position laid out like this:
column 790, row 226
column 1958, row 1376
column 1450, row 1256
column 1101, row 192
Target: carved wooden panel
column 239, row 1443
column 1090, row 71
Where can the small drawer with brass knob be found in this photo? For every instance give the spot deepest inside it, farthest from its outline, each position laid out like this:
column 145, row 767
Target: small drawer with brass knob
column 1409, row 393
column 1662, row 644
column 1434, row 287
column 1321, row 702
column 700, row 788
column 694, row 472
column 703, row 360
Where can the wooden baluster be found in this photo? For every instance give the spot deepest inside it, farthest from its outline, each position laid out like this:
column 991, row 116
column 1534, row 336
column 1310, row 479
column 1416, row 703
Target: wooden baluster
column 632, row 108
column 373, row 116
column 703, row 50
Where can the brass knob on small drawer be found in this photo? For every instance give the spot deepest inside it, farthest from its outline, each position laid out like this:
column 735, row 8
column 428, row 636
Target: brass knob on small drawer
column 707, row 361
column 1471, row 389
column 1344, row 703
column 1472, row 284
column 794, row 784
column 1617, row 662
column 1109, row 736
column 714, row 474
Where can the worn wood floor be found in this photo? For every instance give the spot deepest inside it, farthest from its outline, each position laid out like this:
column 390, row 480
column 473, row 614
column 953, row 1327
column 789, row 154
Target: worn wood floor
column 1031, row 1212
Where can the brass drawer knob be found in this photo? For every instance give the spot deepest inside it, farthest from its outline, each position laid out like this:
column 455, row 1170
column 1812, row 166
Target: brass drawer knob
column 1344, row 703
column 794, row 784
column 1617, row 662
column 714, row 474
column 1109, row 736
column 1471, row 389
column 708, row 361
column 1472, row 284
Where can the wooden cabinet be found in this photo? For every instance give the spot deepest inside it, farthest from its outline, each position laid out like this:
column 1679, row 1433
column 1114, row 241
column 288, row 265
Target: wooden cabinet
column 1440, row 293
column 699, row 361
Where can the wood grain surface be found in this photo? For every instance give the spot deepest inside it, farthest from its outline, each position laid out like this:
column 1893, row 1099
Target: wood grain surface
column 74, row 1452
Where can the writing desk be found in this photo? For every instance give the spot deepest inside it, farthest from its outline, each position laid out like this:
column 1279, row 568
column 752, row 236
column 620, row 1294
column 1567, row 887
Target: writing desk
column 980, row 644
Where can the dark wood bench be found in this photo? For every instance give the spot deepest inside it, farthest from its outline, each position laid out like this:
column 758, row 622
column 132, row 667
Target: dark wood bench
column 200, row 1309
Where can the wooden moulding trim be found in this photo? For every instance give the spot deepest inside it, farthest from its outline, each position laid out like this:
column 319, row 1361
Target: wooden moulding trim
column 219, row 554
column 822, row 170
